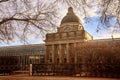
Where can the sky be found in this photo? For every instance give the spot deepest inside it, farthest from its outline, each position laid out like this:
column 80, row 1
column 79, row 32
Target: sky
column 90, row 27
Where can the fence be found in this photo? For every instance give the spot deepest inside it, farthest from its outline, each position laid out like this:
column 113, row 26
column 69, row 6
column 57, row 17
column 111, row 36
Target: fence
column 83, row 70
column 8, row 69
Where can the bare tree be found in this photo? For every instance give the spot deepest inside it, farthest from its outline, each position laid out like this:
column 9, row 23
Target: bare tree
column 79, row 5
column 3, row 1
column 99, row 58
column 108, row 11
column 20, row 19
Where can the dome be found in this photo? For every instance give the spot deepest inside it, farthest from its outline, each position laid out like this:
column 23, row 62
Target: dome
column 70, row 17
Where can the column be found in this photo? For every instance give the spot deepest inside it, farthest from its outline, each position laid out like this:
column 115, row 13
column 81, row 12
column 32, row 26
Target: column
column 30, row 70
column 75, row 53
column 67, row 52
column 53, row 54
column 46, row 54
column 60, row 53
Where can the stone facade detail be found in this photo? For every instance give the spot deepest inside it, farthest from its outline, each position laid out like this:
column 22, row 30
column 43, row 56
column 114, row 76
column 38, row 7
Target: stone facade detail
column 62, row 42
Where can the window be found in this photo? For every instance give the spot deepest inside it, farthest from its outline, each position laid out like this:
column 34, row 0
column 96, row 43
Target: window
column 65, row 60
column 57, row 60
column 72, row 60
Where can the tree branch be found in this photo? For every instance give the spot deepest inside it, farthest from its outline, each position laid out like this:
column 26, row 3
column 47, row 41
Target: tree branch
column 3, row 1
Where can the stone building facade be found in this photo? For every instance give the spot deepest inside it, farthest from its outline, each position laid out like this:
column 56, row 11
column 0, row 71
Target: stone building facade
column 69, row 34
column 71, row 44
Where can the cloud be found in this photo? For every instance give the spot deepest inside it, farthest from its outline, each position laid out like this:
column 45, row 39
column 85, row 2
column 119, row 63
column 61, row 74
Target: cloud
column 92, row 8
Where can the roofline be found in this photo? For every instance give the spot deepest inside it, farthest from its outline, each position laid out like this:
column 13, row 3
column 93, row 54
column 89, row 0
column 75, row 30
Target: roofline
column 22, row 45
column 107, row 39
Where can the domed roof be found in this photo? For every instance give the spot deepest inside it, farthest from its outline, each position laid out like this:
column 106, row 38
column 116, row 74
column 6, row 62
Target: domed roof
column 70, row 17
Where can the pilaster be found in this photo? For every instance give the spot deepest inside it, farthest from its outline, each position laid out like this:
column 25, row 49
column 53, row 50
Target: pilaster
column 67, row 51
column 75, row 53
column 53, row 54
column 60, row 53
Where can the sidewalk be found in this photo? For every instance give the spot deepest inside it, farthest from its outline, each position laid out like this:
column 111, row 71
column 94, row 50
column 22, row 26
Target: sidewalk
column 27, row 77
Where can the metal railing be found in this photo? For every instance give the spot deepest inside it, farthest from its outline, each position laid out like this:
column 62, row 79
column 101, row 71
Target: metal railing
column 83, row 70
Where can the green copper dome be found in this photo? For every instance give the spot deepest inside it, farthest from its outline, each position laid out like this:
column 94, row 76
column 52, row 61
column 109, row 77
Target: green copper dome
column 70, row 17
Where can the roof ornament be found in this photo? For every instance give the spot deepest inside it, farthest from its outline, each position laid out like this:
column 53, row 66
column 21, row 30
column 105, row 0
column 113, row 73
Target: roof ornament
column 70, row 11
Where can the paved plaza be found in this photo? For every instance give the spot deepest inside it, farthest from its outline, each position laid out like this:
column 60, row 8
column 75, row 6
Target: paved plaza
column 50, row 78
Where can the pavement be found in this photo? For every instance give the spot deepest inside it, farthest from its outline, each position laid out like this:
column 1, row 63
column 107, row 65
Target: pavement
column 27, row 77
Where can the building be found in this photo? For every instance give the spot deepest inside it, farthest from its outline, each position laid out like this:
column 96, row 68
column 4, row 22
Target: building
column 71, row 44
column 70, row 33
column 20, row 57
